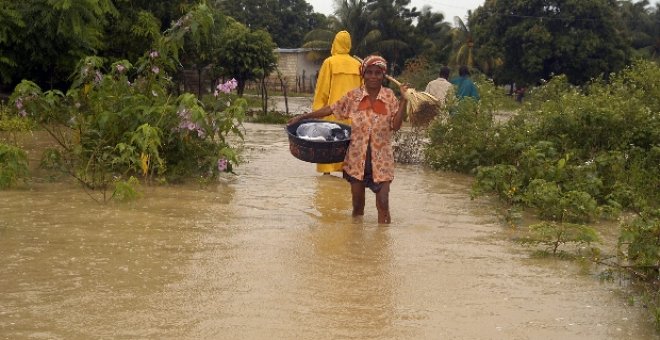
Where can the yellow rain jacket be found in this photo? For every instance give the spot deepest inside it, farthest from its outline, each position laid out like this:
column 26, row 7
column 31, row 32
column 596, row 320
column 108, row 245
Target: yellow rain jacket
column 339, row 74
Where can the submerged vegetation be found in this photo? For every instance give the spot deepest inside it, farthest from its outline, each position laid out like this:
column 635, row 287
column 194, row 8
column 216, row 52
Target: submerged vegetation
column 573, row 156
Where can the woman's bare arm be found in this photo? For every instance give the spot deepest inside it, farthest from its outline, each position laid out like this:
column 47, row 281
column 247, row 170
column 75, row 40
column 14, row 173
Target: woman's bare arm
column 320, row 113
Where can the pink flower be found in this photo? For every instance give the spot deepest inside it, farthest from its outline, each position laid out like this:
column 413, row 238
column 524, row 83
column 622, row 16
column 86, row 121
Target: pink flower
column 154, row 54
column 227, row 87
column 19, row 103
column 155, row 69
column 222, row 164
column 121, row 68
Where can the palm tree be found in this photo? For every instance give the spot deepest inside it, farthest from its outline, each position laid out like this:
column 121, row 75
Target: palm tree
column 463, row 45
column 395, row 22
column 435, row 36
column 642, row 25
column 355, row 17
column 352, row 16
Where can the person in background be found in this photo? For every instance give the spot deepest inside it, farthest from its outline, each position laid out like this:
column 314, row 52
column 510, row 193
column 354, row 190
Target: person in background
column 440, row 87
column 375, row 114
column 465, row 87
column 520, row 93
column 339, row 74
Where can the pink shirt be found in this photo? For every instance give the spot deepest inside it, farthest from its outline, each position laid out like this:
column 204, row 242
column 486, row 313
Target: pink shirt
column 369, row 123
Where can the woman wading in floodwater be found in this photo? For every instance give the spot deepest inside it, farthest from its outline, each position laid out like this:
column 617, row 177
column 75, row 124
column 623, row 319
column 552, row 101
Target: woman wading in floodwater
column 375, row 114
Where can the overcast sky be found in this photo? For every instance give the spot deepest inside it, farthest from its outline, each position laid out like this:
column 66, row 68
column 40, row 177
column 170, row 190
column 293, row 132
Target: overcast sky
column 450, row 8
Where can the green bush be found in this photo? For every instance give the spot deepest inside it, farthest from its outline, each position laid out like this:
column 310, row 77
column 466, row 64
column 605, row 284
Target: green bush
column 13, row 165
column 126, row 190
column 120, row 121
column 553, row 235
column 640, row 245
column 469, row 139
column 11, row 123
column 503, row 180
column 572, row 155
column 602, row 140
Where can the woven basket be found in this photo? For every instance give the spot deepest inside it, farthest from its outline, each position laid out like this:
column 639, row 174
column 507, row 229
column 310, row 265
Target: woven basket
column 317, row 151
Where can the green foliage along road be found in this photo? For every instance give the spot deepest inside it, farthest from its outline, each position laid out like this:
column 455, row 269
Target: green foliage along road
column 573, row 155
column 120, row 122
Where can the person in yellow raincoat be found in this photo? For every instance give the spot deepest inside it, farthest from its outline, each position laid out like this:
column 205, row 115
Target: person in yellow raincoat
column 339, row 74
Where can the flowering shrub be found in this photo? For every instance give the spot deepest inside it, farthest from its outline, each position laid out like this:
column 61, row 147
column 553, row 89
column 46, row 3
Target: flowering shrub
column 121, row 121
column 226, row 87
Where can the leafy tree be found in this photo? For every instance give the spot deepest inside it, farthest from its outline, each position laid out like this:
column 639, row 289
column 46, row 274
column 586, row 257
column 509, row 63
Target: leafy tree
column 11, row 21
column 643, row 27
column 59, row 33
column 113, row 29
column 463, row 44
column 202, row 54
column 354, row 17
column 655, row 49
column 394, row 19
column 287, row 21
column 246, row 54
column 434, row 38
column 136, row 26
column 351, row 16
column 381, row 26
column 537, row 39
column 466, row 52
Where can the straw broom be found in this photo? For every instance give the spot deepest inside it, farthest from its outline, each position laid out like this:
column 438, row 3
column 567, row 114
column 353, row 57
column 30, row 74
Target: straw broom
column 421, row 107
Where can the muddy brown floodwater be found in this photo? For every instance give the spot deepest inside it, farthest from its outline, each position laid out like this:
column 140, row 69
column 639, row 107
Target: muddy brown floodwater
column 274, row 254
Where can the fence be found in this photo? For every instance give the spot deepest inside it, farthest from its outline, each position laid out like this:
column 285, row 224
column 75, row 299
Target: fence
column 300, row 84
column 200, row 83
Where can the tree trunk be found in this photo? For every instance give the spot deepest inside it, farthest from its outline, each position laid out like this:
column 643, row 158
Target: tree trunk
column 286, row 98
column 240, row 88
column 199, row 82
column 264, row 95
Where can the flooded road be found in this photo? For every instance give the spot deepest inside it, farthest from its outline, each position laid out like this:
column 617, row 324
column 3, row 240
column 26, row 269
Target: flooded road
column 274, row 254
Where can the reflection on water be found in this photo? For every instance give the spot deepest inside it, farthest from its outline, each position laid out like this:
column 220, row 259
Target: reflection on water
column 332, row 198
column 350, row 271
column 275, row 254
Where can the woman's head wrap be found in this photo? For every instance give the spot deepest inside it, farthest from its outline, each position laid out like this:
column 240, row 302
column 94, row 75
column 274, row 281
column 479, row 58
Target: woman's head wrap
column 373, row 60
